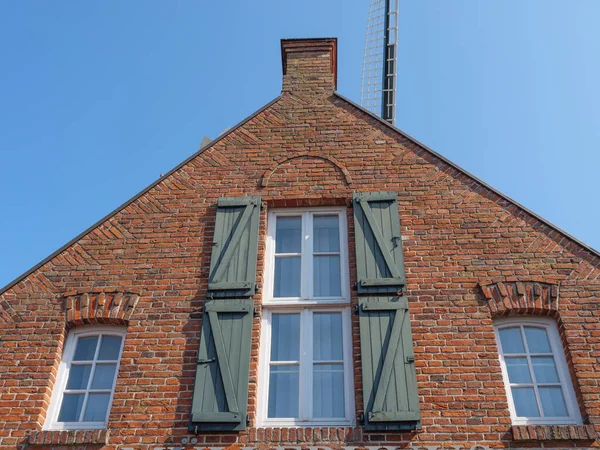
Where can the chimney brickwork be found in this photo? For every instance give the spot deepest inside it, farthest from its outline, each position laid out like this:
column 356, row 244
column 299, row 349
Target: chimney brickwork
column 309, row 66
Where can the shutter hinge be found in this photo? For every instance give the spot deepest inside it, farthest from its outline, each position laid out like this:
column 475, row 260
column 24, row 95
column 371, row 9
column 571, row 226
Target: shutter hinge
column 206, row 361
column 409, row 359
column 356, row 309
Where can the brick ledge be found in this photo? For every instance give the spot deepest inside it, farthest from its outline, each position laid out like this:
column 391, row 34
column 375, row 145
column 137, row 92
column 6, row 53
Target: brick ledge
column 553, row 433
column 68, row 437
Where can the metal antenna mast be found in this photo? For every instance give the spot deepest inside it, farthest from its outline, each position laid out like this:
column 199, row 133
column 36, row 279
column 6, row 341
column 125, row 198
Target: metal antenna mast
column 378, row 89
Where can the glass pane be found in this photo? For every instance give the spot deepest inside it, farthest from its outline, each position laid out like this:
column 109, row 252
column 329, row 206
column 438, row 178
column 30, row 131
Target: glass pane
column 328, row 390
column 71, row 408
column 285, row 337
column 511, row 340
column 537, row 340
column 288, row 235
column 327, row 337
column 104, row 376
column 326, row 232
column 553, row 402
column 109, row 348
column 86, row 348
column 96, row 408
column 287, row 277
column 326, row 275
column 525, row 403
column 78, row 376
column 518, row 370
column 283, row 391
column 544, row 369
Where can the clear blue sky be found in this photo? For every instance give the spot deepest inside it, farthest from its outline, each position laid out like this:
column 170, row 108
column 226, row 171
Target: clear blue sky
column 98, row 98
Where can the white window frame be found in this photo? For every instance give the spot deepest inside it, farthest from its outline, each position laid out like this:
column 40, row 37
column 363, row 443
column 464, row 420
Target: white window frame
column 549, row 325
column 305, row 305
column 51, row 422
column 306, row 284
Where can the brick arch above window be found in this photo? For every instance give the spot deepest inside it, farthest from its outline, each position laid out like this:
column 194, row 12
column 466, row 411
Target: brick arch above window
column 528, row 296
column 99, row 307
column 339, row 167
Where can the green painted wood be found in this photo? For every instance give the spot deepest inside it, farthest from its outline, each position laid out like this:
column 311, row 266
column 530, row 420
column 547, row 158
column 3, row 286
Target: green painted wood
column 378, row 243
column 223, row 361
column 388, row 370
column 235, row 247
column 221, row 386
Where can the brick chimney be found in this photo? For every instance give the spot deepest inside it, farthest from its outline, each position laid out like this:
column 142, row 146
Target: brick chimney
column 309, row 66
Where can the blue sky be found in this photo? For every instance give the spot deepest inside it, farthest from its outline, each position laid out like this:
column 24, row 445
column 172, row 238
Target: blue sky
column 97, row 99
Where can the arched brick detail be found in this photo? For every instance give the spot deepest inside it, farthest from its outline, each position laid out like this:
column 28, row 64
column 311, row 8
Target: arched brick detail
column 521, row 297
column 264, row 182
column 105, row 307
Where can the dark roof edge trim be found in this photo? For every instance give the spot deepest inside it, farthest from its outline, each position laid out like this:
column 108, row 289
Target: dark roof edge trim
column 134, row 198
column 483, row 183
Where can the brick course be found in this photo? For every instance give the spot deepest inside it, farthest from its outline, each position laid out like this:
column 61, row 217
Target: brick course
column 469, row 254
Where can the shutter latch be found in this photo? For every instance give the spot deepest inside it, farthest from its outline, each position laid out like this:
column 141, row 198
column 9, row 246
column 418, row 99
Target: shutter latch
column 409, row 359
column 206, row 361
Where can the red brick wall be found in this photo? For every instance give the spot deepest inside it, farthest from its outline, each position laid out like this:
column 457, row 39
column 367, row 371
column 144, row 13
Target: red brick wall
column 310, row 147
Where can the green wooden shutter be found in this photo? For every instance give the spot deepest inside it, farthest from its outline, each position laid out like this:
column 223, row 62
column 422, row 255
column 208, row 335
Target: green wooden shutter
column 221, row 385
column 388, row 369
column 235, row 245
column 379, row 260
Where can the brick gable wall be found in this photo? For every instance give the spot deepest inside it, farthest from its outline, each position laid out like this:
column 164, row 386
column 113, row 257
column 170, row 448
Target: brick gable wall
column 310, row 147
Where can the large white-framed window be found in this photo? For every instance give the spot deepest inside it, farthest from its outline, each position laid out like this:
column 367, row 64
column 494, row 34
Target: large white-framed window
column 306, row 344
column 86, row 379
column 536, row 376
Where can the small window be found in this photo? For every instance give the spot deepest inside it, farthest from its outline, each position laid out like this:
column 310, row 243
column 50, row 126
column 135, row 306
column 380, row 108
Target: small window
column 86, row 379
column 536, row 377
column 306, row 352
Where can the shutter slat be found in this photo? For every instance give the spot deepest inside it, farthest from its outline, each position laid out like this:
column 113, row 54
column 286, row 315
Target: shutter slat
column 221, row 386
column 223, row 360
column 379, row 259
column 235, row 246
column 389, row 374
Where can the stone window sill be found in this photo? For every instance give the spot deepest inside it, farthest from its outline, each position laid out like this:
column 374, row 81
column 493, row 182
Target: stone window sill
column 68, row 437
column 553, row 433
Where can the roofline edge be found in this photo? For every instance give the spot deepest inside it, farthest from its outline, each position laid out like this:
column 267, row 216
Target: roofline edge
column 470, row 175
column 134, row 198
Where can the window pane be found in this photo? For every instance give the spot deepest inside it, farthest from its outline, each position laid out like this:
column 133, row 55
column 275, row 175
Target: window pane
column 287, row 277
column 518, row 370
column 285, row 337
column 511, row 340
column 525, row 403
column 544, row 369
column 104, row 376
column 109, row 348
column 553, row 402
column 71, row 408
column 327, row 337
column 537, row 340
column 283, row 391
column 326, row 276
column 326, row 233
column 288, row 235
column 96, row 408
column 78, row 376
column 86, row 348
column 328, row 390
